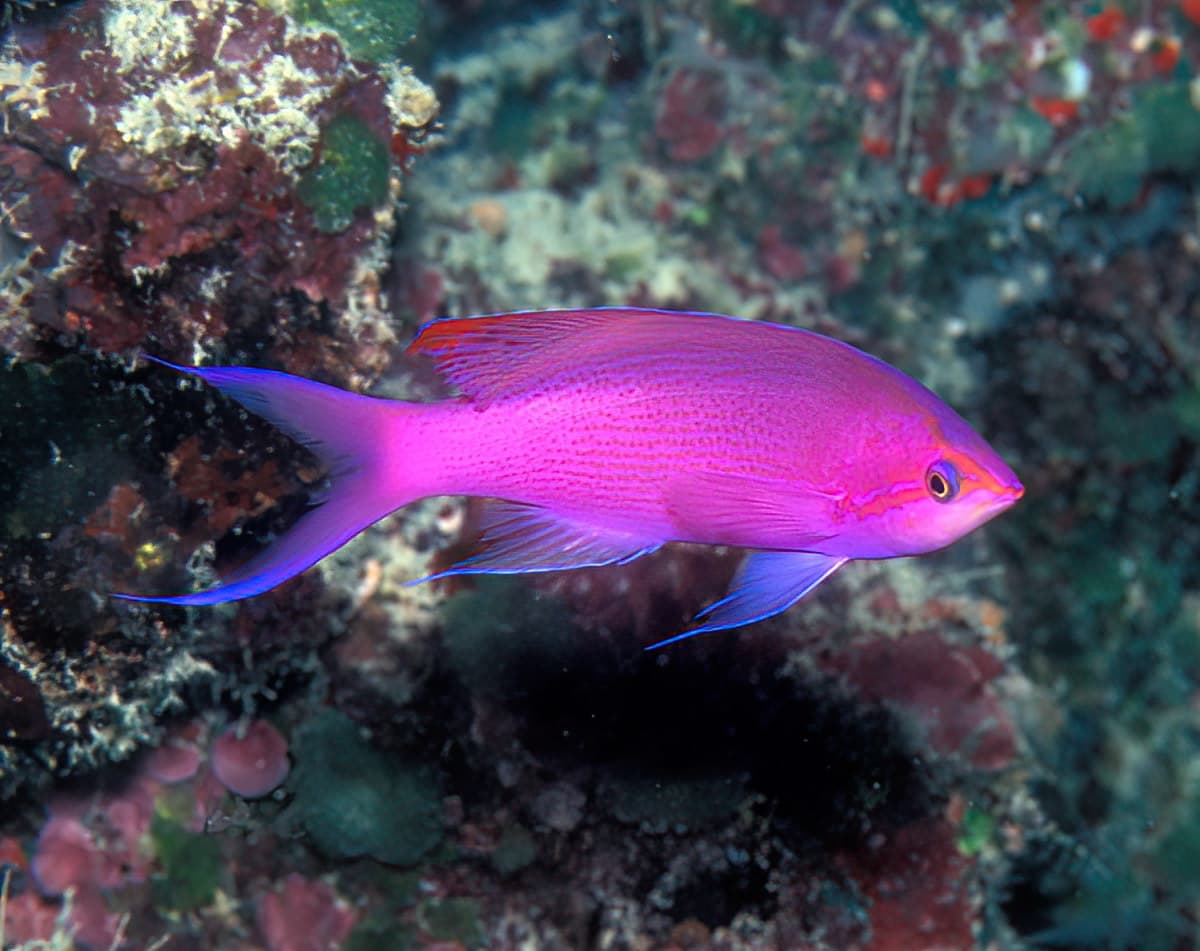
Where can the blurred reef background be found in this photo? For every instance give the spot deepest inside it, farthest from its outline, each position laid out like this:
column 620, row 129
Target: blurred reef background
column 994, row 746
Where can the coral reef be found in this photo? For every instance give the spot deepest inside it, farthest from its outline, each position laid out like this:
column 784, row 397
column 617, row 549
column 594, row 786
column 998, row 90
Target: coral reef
column 988, row 747
column 193, row 178
column 187, row 180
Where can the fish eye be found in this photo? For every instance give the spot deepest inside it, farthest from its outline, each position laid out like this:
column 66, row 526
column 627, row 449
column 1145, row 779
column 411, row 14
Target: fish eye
column 941, row 479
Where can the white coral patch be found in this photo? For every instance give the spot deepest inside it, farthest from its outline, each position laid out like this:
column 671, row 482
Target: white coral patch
column 147, row 33
column 273, row 106
column 411, row 103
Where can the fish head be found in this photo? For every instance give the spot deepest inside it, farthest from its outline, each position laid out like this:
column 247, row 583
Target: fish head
column 940, row 481
column 953, row 482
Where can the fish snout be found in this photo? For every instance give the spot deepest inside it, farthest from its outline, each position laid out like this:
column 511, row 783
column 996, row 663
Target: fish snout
column 1011, row 489
column 1004, row 491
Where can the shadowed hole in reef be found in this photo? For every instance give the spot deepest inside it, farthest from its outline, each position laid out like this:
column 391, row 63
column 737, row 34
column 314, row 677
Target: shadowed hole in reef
column 717, row 897
column 709, row 713
column 1040, row 879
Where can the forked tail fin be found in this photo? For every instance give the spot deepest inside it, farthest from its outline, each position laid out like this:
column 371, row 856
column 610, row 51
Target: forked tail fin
column 350, row 434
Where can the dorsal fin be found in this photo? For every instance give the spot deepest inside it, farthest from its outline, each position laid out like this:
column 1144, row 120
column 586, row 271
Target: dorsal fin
column 491, row 356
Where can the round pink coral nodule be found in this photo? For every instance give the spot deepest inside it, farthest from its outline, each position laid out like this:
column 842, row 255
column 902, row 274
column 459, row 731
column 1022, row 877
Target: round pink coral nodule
column 253, row 764
column 173, row 762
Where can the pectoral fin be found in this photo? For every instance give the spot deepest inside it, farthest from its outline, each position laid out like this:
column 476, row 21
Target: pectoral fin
column 747, row 511
column 767, row 583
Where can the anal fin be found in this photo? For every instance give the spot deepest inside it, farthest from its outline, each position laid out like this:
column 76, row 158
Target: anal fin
column 520, row 539
column 767, row 583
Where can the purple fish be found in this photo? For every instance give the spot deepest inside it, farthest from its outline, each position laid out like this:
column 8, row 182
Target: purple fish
column 598, row 436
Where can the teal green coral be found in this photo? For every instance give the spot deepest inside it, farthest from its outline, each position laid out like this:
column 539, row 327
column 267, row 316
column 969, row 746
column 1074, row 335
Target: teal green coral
column 374, row 30
column 452, row 919
column 1161, row 133
column 1170, row 124
column 1109, row 163
column 1186, row 408
column 381, row 934
column 350, row 175
column 515, row 851
column 1177, row 856
column 500, row 630
column 746, row 28
column 354, row 800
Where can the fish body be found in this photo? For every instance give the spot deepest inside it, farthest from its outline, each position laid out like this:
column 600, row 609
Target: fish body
column 600, row 435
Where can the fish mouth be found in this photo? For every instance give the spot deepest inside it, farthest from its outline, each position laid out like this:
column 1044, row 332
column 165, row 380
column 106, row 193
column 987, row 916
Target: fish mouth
column 996, row 489
column 1013, row 490
column 1002, row 486
column 995, row 500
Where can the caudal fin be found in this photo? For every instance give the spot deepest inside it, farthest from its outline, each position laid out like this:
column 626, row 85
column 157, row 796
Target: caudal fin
column 349, row 433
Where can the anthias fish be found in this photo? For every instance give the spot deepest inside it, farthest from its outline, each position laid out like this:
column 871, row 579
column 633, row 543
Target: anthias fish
column 597, row 436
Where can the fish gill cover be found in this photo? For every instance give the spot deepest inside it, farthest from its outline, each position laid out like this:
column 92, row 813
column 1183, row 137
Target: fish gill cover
column 990, row 746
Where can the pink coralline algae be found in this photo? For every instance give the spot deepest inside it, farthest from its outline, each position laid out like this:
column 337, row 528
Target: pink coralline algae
column 945, row 687
column 95, row 843
column 251, row 763
column 781, row 259
column 919, row 888
column 176, row 760
column 90, row 847
column 150, row 172
column 29, row 918
column 67, row 856
column 305, row 915
column 690, row 113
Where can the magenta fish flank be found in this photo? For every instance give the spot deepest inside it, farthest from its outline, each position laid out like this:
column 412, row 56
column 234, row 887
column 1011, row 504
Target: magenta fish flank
column 597, row 436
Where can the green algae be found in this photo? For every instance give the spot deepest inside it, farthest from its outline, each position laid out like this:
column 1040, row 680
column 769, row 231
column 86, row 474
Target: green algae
column 354, row 800
column 190, row 863
column 975, row 831
column 527, row 119
column 351, row 174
